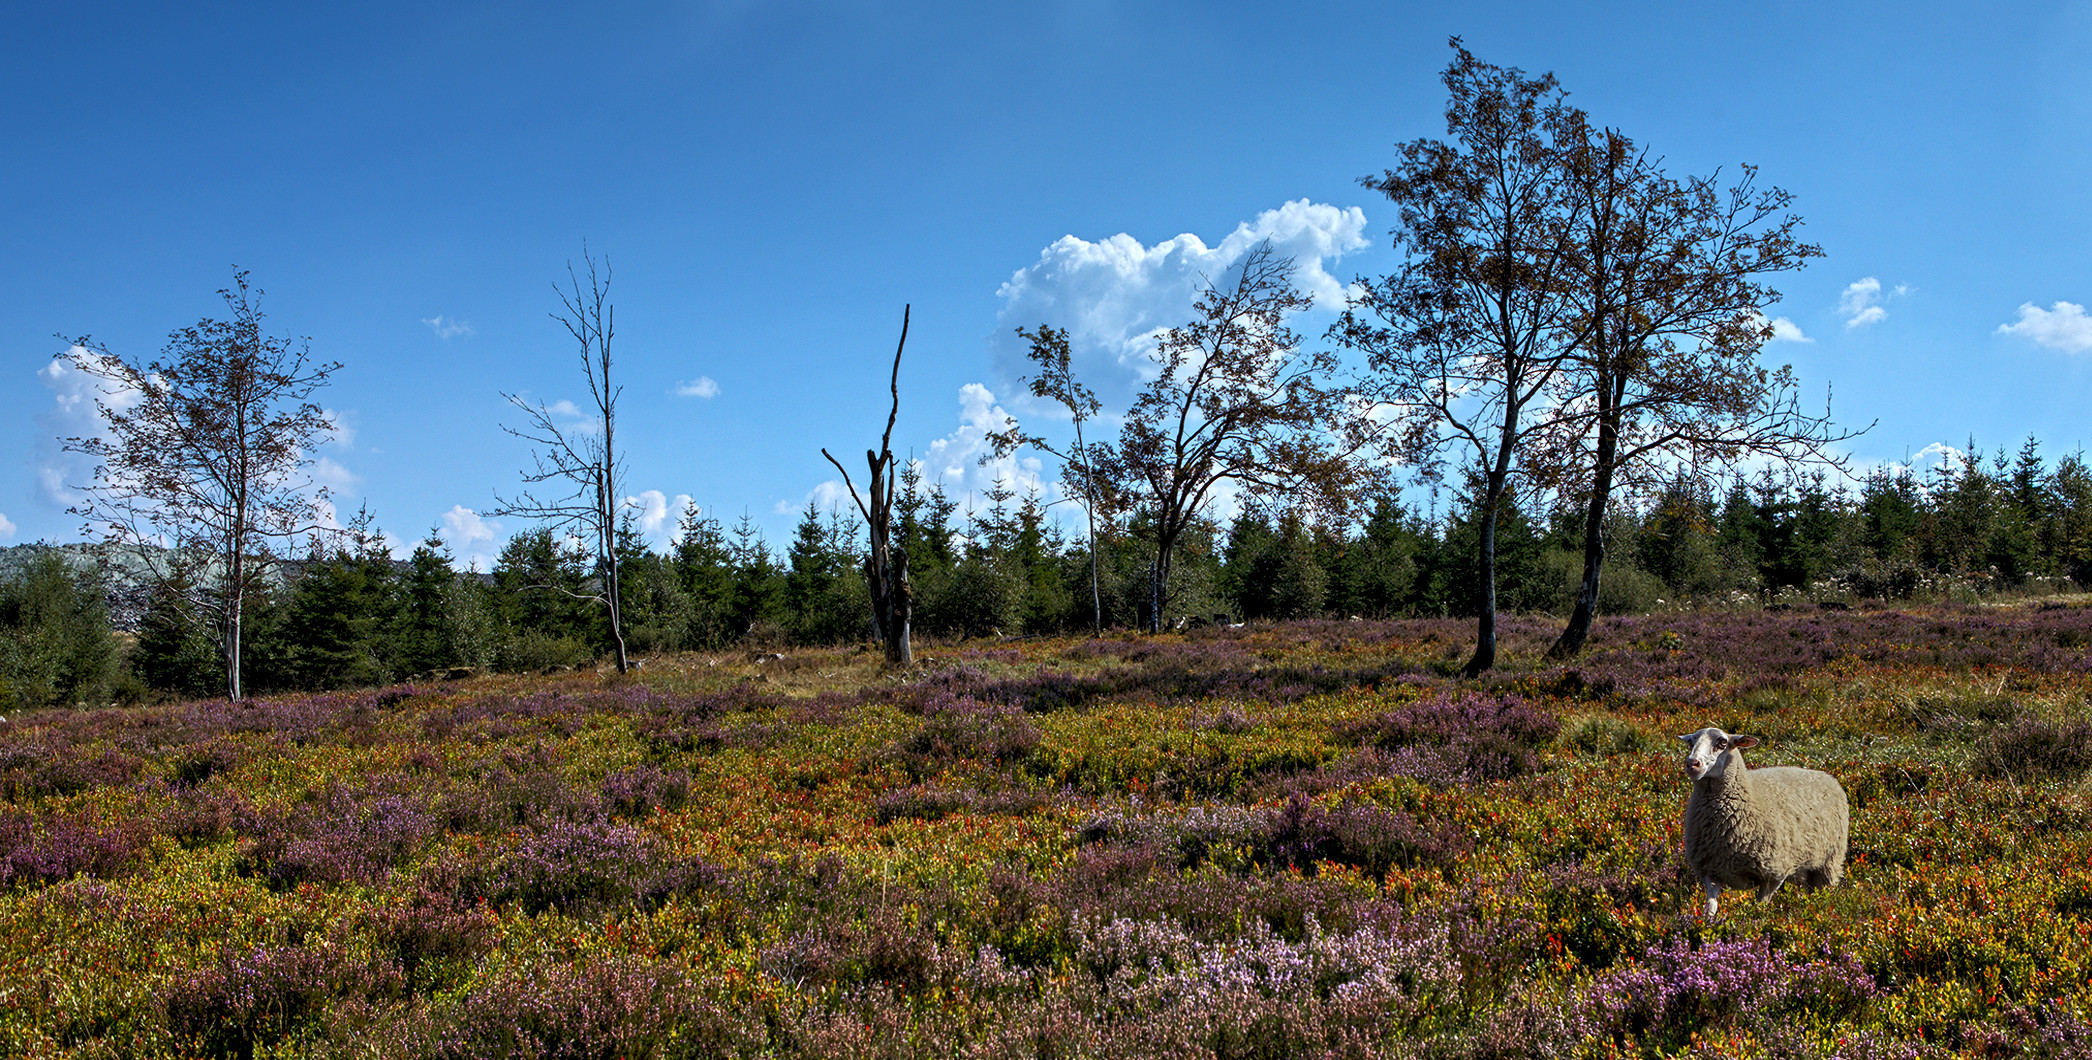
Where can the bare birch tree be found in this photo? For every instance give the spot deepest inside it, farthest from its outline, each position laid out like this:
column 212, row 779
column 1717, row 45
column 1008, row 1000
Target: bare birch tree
column 203, row 464
column 580, row 458
column 1056, row 381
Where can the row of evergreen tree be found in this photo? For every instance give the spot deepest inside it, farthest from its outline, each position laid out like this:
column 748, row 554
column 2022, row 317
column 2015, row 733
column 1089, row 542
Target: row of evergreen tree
column 352, row 615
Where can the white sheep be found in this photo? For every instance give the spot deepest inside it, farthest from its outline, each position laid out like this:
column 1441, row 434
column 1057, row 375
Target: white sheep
column 1759, row 828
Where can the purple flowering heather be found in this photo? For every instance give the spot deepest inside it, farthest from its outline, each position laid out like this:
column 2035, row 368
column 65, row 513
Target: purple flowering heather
column 1677, row 990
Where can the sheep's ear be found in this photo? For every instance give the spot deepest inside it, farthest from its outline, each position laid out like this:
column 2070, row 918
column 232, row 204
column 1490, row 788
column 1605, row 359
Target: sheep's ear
column 1741, row 742
column 1687, row 738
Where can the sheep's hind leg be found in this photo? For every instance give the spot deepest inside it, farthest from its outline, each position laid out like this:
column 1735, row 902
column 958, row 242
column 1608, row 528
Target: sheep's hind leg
column 1714, row 894
column 1769, row 888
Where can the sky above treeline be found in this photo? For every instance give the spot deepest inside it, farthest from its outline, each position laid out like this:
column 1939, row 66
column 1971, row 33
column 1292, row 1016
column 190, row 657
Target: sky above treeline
column 771, row 183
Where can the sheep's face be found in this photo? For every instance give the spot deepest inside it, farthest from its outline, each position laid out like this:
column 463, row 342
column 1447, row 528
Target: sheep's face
column 1708, row 751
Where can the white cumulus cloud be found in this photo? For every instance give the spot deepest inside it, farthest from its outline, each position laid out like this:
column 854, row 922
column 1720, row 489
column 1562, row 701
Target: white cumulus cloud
column 700, row 387
column 2063, row 326
column 447, row 328
column 1785, row 330
column 7, row 528
column 1116, row 295
column 1861, row 304
column 657, row 516
column 471, row 537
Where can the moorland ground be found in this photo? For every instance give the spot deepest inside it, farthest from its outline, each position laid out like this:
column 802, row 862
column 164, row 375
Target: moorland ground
column 1299, row 839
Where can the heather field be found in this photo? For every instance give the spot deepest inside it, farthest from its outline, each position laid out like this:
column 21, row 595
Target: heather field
column 1301, row 839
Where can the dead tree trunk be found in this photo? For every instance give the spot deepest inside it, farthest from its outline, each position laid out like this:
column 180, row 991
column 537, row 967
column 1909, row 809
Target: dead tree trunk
column 885, row 567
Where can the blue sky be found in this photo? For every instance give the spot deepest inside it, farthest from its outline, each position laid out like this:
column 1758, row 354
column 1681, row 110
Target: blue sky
column 771, row 182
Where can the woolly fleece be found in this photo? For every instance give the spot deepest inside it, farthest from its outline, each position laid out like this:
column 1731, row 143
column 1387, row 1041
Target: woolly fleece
column 1756, row 829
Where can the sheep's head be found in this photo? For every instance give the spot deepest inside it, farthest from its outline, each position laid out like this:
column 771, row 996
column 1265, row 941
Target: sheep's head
column 1709, row 751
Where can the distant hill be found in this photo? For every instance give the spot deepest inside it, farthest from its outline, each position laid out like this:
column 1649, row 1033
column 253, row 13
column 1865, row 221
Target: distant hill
column 126, row 580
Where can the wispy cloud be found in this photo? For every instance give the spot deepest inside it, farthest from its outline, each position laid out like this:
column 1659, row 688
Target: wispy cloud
column 74, row 413
column 339, row 430
column 700, row 387
column 330, row 473
column 1860, row 305
column 2063, row 326
column 448, row 328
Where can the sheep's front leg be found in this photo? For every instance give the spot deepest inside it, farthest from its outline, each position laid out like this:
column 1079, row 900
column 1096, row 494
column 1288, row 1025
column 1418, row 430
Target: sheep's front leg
column 1769, row 888
column 1714, row 894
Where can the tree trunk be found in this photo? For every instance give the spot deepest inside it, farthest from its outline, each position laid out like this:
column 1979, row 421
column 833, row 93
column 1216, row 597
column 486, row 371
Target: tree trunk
column 1158, row 582
column 1089, row 498
column 1573, row 636
column 235, row 603
column 1581, row 615
column 1485, row 627
column 885, row 568
column 892, row 603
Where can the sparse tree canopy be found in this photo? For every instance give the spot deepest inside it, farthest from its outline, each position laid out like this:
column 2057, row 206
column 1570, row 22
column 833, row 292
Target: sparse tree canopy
column 582, row 458
column 1236, row 400
column 1056, row 381
column 1670, row 284
column 1473, row 336
column 202, row 466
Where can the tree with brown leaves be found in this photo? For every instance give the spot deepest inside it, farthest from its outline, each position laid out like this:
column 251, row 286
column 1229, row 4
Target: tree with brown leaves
column 1236, row 400
column 1471, row 341
column 202, row 465
column 1669, row 279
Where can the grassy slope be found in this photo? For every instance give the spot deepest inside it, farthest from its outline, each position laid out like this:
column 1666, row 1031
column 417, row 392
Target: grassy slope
column 1292, row 840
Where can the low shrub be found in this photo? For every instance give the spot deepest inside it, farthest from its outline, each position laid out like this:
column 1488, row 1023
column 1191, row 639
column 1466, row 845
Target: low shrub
column 47, row 849
column 262, row 997
column 2036, row 749
column 639, row 791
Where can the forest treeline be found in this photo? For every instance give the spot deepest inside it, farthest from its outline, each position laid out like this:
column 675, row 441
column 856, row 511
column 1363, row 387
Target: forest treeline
column 353, row 615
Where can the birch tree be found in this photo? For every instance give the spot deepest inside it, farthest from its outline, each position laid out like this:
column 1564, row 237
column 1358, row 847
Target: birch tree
column 203, row 463
column 1471, row 339
column 577, row 464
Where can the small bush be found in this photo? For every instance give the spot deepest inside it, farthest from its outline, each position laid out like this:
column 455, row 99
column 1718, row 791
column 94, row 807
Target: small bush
column 262, row 997
column 1484, row 737
column 623, row 1006
column 1608, row 736
column 52, row 849
column 2036, row 749
column 576, row 868
column 530, row 651
column 341, row 836
column 961, row 727
column 433, row 936
column 1677, row 992
column 1299, row 834
column 639, row 791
